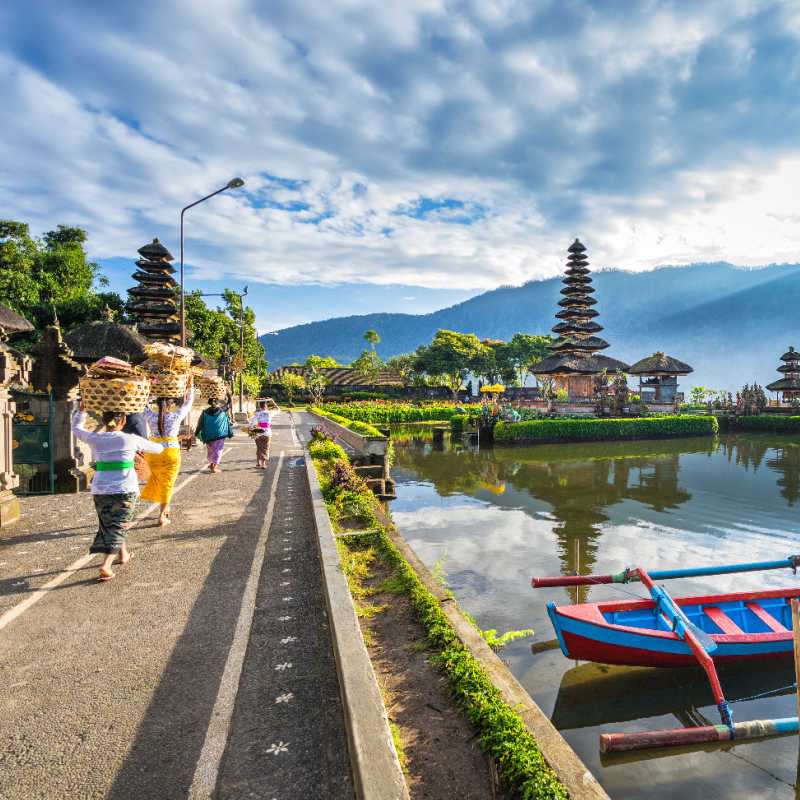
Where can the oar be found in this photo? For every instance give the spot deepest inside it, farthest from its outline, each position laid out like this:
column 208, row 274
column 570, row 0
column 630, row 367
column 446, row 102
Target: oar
column 633, row 574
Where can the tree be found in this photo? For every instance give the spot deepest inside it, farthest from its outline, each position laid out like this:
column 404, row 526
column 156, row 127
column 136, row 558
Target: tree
column 526, row 350
column 291, row 383
column 368, row 365
column 372, row 338
column 450, row 356
column 40, row 276
column 321, row 362
column 698, row 395
column 316, row 383
column 404, row 366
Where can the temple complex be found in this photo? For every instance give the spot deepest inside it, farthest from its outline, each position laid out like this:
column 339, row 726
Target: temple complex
column 576, row 353
column 154, row 302
column 658, row 377
column 789, row 384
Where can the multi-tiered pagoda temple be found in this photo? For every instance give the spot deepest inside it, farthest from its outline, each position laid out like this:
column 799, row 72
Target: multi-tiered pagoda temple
column 789, row 384
column 154, row 302
column 577, row 355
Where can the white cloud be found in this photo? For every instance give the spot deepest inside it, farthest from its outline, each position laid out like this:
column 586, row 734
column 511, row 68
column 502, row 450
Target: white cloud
column 652, row 136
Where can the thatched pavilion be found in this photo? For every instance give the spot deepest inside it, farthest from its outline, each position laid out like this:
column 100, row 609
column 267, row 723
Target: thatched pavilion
column 789, row 384
column 105, row 337
column 658, row 377
column 577, row 359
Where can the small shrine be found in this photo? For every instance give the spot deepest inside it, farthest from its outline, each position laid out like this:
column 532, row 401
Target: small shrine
column 576, row 353
column 658, row 377
column 789, row 384
column 14, row 369
column 105, row 337
column 154, row 302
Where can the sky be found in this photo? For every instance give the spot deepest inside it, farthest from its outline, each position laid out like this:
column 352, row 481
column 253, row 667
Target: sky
column 406, row 156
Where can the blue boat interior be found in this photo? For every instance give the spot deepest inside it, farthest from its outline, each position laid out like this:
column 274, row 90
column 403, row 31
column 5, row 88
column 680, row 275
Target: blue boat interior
column 772, row 615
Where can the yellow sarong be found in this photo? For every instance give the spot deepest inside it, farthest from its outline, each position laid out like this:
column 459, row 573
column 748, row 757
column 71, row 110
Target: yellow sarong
column 164, row 468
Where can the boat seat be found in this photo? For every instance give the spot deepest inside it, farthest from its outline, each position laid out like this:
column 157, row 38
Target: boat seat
column 722, row 620
column 766, row 618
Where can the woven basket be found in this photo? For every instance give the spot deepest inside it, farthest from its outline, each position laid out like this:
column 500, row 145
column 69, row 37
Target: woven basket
column 211, row 388
column 169, row 384
column 115, row 394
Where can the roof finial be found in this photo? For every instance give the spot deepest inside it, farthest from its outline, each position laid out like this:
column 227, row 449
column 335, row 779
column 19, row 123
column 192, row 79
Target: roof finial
column 108, row 313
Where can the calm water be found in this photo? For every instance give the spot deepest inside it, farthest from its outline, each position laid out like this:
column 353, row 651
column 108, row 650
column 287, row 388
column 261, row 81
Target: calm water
column 500, row 516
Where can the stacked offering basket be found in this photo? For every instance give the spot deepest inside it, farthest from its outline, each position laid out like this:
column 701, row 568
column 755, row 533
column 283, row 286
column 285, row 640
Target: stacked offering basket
column 128, row 395
column 169, row 384
column 209, row 387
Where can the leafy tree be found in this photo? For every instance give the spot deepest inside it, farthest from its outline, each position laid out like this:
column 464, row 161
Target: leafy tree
column 526, row 350
column 372, row 338
column 368, row 365
column 698, row 395
column 404, row 366
column 450, row 356
column 321, row 362
column 316, row 383
column 38, row 277
column 291, row 383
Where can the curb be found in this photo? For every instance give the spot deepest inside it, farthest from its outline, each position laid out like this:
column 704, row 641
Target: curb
column 563, row 760
column 376, row 768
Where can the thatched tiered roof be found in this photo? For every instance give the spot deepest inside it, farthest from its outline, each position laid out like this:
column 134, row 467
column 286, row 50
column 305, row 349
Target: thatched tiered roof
column 659, row 364
column 577, row 346
column 106, row 338
column 791, row 370
column 154, row 302
column 11, row 322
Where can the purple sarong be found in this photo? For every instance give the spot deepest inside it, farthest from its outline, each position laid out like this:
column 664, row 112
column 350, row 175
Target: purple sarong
column 214, row 450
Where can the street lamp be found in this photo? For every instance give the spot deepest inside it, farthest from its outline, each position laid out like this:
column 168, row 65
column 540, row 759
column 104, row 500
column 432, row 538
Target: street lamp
column 234, row 183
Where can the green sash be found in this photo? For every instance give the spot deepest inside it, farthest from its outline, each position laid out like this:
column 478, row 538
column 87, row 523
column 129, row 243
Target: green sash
column 111, row 466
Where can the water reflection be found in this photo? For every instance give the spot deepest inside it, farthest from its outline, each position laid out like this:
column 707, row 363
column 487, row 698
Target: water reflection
column 505, row 514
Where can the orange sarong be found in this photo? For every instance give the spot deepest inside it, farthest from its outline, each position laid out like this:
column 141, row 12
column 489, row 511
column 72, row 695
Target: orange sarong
column 164, row 468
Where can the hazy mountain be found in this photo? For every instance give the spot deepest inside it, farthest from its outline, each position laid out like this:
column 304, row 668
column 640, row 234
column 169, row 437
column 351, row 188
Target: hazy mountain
column 729, row 323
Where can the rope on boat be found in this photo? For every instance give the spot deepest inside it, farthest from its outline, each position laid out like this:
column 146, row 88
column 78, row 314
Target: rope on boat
column 788, row 688
column 616, row 586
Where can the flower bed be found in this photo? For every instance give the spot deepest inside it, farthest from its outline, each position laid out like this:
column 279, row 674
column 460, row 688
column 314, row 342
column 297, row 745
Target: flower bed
column 355, row 425
column 598, row 429
column 383, row 412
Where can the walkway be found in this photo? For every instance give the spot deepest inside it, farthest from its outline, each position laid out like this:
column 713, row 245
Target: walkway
column 205, row 667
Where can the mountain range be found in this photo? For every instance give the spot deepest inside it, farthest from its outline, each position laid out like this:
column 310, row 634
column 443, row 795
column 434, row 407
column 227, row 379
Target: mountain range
column 730, row 323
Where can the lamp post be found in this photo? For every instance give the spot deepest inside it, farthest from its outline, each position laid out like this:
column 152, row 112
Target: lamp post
column 234, row 183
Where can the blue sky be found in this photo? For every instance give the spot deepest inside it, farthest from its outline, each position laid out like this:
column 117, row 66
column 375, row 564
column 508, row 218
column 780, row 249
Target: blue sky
column 403, row 158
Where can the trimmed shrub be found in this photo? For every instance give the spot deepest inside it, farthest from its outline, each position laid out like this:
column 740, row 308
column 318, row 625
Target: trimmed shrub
column 354, row 425
column 599, row 429
column 382, row 413
column 768, row 423
column 326, row 450
column 458, row 422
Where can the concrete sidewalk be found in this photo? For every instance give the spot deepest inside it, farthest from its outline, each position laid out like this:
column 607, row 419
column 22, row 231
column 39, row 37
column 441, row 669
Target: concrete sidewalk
column 149, row 686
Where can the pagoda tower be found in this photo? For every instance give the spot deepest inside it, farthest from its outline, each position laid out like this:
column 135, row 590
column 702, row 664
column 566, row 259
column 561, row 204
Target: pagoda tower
column 154, row 302
column 576, row 353
column 789, row 384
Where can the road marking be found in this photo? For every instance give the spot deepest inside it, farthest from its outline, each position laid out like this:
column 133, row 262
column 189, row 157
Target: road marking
column 208, row 764
column 19, row 609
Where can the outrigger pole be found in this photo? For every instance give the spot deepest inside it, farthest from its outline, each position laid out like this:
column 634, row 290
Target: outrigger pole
column 628, row 575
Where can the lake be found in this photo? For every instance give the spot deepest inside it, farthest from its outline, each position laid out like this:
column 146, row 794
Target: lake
column 495, row 517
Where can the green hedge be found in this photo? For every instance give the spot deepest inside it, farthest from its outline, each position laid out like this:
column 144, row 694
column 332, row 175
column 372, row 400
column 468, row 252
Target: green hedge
column 354, row 425
column 598, row 429
column 769, row 423
column 383, row 413
column 458, row 422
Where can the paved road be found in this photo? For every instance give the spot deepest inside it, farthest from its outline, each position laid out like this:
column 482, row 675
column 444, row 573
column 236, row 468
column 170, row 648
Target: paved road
column 154, row 685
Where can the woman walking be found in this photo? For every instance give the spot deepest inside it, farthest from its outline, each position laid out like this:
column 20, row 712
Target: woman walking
column 164, row 467
column 261, row 425
column 115, row 487
column 213, row 427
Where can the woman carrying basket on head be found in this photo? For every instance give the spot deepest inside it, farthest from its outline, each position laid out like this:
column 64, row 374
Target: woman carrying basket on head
column 213, row 428
column 115, row 487
column 164, row 467
column 260, row 425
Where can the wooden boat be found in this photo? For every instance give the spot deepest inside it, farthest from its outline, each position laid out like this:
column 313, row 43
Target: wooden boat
column 747, row 625
column 667, row 631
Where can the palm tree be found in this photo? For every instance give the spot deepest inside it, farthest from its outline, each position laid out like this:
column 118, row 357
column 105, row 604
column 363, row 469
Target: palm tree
column 372, row 338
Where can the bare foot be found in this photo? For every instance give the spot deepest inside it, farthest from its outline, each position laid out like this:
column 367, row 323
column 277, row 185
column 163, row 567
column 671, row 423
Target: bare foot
column 105, row 575
column 124, row 559
column 164, row 521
